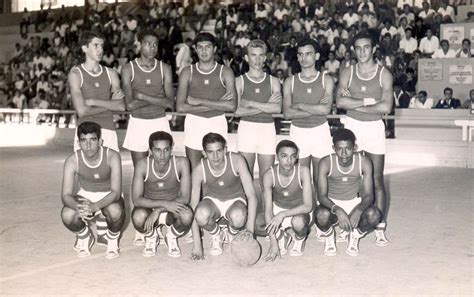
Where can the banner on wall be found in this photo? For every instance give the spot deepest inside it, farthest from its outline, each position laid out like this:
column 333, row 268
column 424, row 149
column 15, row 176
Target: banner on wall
column 460, row 74
column 454, row 34
column 430, row 70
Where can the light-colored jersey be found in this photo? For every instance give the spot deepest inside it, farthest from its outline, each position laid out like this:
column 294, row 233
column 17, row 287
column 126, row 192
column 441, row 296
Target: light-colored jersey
column 94, row 178
column 224, row 186
column 151, row 83
column 96, row 86
column 290, row 195
column 258, row 91
column 207, row 85
column 164, row 187
column 309, row 92
column 365, row 88
column 344, row 185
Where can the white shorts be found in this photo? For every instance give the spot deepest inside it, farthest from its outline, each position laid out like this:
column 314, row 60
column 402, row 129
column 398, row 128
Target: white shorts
column 93, row 197
column 109, row 137
column 223, row 206
column 257, row 138
column 286, row 223
column 162, row 218
column 195, row 127
column 347, row 205
column 370, row 135
column 139, row 130
column 316, row 141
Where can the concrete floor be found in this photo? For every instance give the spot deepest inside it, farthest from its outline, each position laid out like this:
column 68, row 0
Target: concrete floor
column 430, row 228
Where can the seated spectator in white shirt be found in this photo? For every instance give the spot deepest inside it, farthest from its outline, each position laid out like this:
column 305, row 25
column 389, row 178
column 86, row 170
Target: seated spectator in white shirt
column 407, row 13
column 231, row 17
column 261, row 12
column 339, row 48
column 469, row 103
column 446, row 11
column 131, row 23
column 427, row 14
column 19, row 100
column 465, row 51
column 400, row 97
column 350, row 17
column 418, row 4
column 421, row 101
column 408, row 44
column 332, row 65
column 444, row 52
column 428, row 44
column 368, row 3
column 388, row 28
column 402, row 3
column 280, row 12
column 297, row 24
column 242, row 26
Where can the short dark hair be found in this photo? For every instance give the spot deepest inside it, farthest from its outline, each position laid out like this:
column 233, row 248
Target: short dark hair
column 212, row 138
column 160, row 135
column 286, row 143
column 423, row 93
column 87, row 36
column 308, row 41
column 444, row 40
column 205, row 36
column 88, row 128
column 447, row 89
column 147, row 32
column 343, row 135
column 363, row 35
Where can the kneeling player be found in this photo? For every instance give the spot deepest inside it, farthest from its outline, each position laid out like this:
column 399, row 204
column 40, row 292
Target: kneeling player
column 229, row 194
column 340, row 175
column 99, row 176
column 160, row 191
column 287, row 200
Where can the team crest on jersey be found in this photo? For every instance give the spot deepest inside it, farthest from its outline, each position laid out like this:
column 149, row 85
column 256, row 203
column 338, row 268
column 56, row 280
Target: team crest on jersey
column 221, row 183
column 363, row 88
column 257, row 91
column 161, row 185
column 97, row 85
column 285, row 193
column 148, row 81
column 344, row 178
column 309, row 90
column 206, row 81
column 96, row 176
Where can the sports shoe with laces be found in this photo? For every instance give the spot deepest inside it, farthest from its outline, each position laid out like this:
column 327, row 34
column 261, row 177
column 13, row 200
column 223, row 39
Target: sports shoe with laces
column 139, row 239
column 112, row 248
column 342, row 236
column 380, row 239
column 330, row 245
column 151, row 242
column 353, row 244
column 319, row 234
column 172, row 244
column 284, row 243
column 84, row 245
column 216, row 244
column 298, row 247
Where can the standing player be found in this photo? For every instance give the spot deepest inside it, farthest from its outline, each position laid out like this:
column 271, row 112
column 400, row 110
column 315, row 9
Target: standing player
column 205, row 91
column 99, row 179
column 148, row 88
column 307, row 99
column 287, row 192
column 339, row 180
column 259, row 96
column 365, row 91
column 95, row 90
column 229, row 194
column 161, row 191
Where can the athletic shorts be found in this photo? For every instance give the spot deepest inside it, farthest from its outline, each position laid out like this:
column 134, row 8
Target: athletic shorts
column 93, row 197
column 286, row 223
column 347, row 205
column 162, row 218
column 370, row 135
column 316, row 141
column 139, row 130
column 257, row 138
column 195, row 127
column 223, row 206
column 109, row 137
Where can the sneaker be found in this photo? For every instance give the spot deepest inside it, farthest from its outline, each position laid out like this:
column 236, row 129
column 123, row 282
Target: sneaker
column 216, row 244
column 84, row 245
column 330, row 245
column 76, row 246
column 298, row 247
column 353, row 245
column 380, row 239
column 139, row 239
column 102, row 239
column 284, row 243
column 342, row 236
column 112, row 248
column 319, row 234
column 189, row 237
column 172, row 243
column 151, row 242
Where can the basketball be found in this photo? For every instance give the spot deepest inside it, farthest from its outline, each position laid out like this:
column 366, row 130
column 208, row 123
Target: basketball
column 245, row 250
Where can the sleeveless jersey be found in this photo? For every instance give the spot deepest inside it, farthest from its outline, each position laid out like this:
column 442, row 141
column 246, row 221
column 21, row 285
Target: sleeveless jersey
column 165, row 187
column 207, row 86
column 365, row 88
column 344, row 185
column 309, row 92
column 96, row 86
column 259, row 92
column 290, row 195
column 148, row 82
column 225, row 186
column 94, row 178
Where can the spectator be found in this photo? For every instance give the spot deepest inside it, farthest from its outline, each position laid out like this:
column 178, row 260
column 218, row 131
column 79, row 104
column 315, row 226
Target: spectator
column 43, row 84
column 231, row 17
column 407, row 13
column 427, row 14
column 261, row 12
column 448, row 102
column 444, row 52
column 280, row 12
column 46, row 60
column 332, row 65
column 339, row 48
column 351, row 18
column 429, row 44
column 401, row 98
column 389, row 47
column 242, row 40
column 19, row 100
column 368, row 3
column 413, row 63
column 25, row 22
column 388, row 28
column 465, row 51
column 183, row 57
column 469, row 103
column 19, row 82
column 446, row 11
column 401, row 29
column 409, row 85
column 408, row 44
column 238, row 64
column 421, row 101
column 402, row 3
column 419, row 31
column 278, row 64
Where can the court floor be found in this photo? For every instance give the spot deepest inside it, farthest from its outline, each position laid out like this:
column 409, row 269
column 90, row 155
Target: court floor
column 430, row 228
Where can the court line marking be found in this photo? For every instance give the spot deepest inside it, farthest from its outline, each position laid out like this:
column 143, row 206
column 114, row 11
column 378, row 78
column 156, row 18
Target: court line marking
column 57, row 265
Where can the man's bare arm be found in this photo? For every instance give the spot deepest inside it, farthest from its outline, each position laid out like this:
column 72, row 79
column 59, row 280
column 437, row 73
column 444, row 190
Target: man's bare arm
column 288, row 111
column 117, row 101
column 69, row 175
column 166, row 101
column 324, row 106
column 78, row 101
column 247, row 182
column 182, row 94
column 386, row 101
column 242, row 111
column 343, row 98
column 184, row 171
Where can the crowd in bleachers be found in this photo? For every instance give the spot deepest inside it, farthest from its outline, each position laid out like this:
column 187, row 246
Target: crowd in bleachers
column 407, row 30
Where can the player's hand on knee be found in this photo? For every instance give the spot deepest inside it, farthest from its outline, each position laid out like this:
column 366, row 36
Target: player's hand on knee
column 355, row 217
column 84, row 209
column 343, row 219
column 177, row 208
column 273, row 253
column 274, row 224
column 151, row 220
